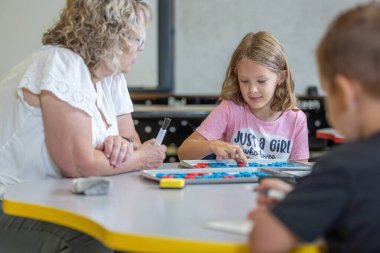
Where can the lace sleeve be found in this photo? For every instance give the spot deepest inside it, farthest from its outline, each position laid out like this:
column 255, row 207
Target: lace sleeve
column 120, row 96
column 63, row 73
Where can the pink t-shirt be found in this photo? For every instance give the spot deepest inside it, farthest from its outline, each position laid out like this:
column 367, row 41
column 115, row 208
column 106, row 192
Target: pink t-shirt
column 284, row 138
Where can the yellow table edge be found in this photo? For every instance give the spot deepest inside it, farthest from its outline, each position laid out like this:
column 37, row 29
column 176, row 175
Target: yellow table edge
column 123, row 241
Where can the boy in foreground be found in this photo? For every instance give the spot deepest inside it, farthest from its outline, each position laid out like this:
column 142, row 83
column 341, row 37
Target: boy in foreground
column 340, row 199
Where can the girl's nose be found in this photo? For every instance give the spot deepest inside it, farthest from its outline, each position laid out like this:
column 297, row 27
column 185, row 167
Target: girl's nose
column 252, row 88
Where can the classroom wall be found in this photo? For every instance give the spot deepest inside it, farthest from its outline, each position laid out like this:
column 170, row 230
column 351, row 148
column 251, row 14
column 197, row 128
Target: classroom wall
column 22, row 24
column 206, row 33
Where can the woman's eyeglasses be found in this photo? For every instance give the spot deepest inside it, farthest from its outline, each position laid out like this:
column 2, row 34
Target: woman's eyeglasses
column 140, row 44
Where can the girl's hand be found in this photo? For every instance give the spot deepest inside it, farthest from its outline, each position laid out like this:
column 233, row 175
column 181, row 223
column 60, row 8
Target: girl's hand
column 229, row 151
column 151, row 156
column 116, row 149
column 263, row 201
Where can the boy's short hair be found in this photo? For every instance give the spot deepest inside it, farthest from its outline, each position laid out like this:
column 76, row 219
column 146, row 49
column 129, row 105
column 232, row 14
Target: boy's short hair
column 351, row 47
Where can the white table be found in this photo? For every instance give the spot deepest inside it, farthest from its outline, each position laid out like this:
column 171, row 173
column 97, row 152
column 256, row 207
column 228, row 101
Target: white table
column 138, row 216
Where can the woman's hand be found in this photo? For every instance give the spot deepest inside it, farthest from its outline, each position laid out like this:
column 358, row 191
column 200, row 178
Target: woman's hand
column 151, row 156
column 228, row 151
column 116, row 149
column 263, row 201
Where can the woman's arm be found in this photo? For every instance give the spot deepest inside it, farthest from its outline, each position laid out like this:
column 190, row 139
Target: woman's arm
column 127, row 129
column 69, row 141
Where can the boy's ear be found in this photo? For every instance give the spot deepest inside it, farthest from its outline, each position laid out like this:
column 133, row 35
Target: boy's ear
column 346, row 90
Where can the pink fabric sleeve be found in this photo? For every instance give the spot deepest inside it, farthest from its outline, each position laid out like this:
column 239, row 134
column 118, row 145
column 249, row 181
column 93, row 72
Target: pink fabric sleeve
column 300, row 149
column 215, row 125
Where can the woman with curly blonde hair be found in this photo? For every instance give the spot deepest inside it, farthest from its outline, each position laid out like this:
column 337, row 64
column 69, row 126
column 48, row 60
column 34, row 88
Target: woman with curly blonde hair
column 66, row 112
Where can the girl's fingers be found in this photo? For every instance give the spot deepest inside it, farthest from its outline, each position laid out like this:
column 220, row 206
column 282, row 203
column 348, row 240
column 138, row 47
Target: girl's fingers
column 230, row 153
column 242, row 157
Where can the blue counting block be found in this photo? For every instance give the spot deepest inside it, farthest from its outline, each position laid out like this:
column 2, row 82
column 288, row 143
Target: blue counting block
column 262, row 174
column 217, row 165
column 160, row 175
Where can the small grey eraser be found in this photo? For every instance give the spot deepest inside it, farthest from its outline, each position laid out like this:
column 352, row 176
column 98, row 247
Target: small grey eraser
column 91, row 186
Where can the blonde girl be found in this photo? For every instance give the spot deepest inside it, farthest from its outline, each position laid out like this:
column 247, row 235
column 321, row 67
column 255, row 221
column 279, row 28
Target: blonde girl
column 257, row 117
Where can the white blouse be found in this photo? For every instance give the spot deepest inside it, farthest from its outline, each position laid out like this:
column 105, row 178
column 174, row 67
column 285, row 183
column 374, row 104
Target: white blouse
column 23, row 151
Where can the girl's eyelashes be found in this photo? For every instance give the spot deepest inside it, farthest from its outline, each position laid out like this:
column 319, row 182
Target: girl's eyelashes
column 247, row 81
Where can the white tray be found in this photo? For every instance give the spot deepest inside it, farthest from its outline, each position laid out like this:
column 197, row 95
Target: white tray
column 151, row 174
